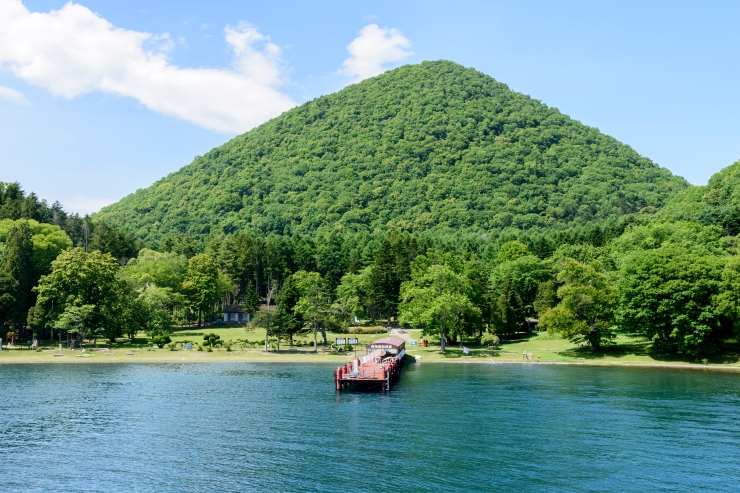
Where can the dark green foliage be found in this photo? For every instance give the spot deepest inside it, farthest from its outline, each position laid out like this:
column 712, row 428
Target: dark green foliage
column 212, row 339
column 160, row 341
column 18, row 275
column 120, row 244
column 180, row 244
column 251, row 301
column 588, row 298
column 545, row 298
column 14, row 204
column 392, row 266
column 514, row 285
column 670, row 296
column 433, row 146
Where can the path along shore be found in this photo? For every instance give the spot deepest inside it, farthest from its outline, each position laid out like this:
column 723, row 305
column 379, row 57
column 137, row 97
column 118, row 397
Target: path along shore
column 426, row 356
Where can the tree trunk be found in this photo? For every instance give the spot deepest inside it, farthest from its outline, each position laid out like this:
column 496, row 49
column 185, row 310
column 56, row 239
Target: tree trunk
column 442, row 337
column 315, row 343
column 323, row 334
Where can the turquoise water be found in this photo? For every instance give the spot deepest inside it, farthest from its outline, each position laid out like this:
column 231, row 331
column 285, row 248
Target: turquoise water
column 247, row 427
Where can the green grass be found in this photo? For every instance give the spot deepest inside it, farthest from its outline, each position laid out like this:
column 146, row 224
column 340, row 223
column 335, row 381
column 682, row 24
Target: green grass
column 257, row 336
column 553, row 349
column 544, row 348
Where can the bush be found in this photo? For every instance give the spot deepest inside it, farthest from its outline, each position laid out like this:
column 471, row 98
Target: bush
column 160, row 341
column 212, row 339
column 172, row 346
column 367, row 330
column 209, row 350
column 200, row 348
column 490, row 340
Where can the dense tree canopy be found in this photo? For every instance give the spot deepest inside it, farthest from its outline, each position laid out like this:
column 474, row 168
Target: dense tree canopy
column 431, row 195
column 433, row 146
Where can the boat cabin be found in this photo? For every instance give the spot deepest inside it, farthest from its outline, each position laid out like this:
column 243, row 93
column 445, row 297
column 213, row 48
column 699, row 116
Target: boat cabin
column 391, row 345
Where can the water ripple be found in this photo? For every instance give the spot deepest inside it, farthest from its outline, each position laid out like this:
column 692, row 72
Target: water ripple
column 457, row 428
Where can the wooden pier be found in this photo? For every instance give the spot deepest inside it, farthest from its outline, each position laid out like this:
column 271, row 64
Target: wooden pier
column 377, row 370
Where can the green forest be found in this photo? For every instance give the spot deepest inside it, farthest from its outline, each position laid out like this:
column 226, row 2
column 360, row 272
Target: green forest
column 430, row 196
column 434, row 146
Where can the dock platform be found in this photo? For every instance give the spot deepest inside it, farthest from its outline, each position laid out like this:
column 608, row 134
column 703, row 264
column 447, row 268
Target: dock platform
column 379, row 369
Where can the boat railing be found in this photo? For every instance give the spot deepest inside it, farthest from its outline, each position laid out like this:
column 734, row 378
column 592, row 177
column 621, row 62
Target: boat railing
column 371, row 356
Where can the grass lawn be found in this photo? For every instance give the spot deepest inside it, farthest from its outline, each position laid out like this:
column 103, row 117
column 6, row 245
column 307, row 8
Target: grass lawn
column 140, row 350
column 553, row 349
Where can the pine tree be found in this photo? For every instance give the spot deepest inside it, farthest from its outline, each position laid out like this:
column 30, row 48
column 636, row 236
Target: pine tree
column 18, row 276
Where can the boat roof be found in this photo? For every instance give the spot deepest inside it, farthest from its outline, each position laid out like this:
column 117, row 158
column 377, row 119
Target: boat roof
column 391, row 341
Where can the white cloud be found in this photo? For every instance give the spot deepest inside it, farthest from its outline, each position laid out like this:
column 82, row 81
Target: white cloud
column 12, row 95
column 85, row 205
column 373, row 48
column 73, row 51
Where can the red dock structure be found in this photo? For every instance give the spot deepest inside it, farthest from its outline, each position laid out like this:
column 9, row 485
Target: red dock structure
column 379, row 368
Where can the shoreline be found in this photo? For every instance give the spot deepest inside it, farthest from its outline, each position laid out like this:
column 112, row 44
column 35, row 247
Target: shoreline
column 259, row 357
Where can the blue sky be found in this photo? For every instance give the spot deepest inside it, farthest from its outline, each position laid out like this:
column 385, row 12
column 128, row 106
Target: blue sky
column 93, row 108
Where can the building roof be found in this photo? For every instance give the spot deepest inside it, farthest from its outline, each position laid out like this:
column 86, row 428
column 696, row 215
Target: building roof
column 233, row 309
column 390, row 341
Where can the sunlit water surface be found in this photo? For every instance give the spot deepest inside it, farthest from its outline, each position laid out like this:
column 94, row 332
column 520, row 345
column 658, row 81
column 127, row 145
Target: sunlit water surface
column 456, row 427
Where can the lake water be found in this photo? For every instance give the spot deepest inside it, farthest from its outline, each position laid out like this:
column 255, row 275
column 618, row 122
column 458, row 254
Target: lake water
column 454, row 427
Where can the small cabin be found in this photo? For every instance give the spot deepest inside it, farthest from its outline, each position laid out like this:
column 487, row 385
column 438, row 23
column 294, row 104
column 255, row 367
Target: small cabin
column 532, row 324
column 235, row 313
column 392, row 345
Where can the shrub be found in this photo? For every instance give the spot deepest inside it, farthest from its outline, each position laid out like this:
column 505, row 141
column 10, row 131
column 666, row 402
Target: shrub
column 367, row 330
column 490, row 340
column 160, row 341
column 209, row 350
column 212, row 339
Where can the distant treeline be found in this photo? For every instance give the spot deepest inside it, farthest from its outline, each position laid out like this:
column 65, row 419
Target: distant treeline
column 84, row 232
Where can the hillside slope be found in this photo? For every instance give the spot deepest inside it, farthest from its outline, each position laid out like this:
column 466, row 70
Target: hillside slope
column 426, row 146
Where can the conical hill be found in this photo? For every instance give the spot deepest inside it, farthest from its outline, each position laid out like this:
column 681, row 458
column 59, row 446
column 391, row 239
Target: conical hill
column 433, row 145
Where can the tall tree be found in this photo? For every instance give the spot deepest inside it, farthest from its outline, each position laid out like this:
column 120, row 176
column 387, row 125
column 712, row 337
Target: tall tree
column 201, row 284
column 240, row 257
column 313, row 303
column 586, row 309
column 120, row 244
column 669, row 295
column 17, row 276
column 437, row 297
column 78, row 278
column 166, row 270
column 392, row 266
column 514, row 283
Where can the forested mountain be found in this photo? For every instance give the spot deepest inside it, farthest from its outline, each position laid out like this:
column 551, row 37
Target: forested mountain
column 434, row 146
